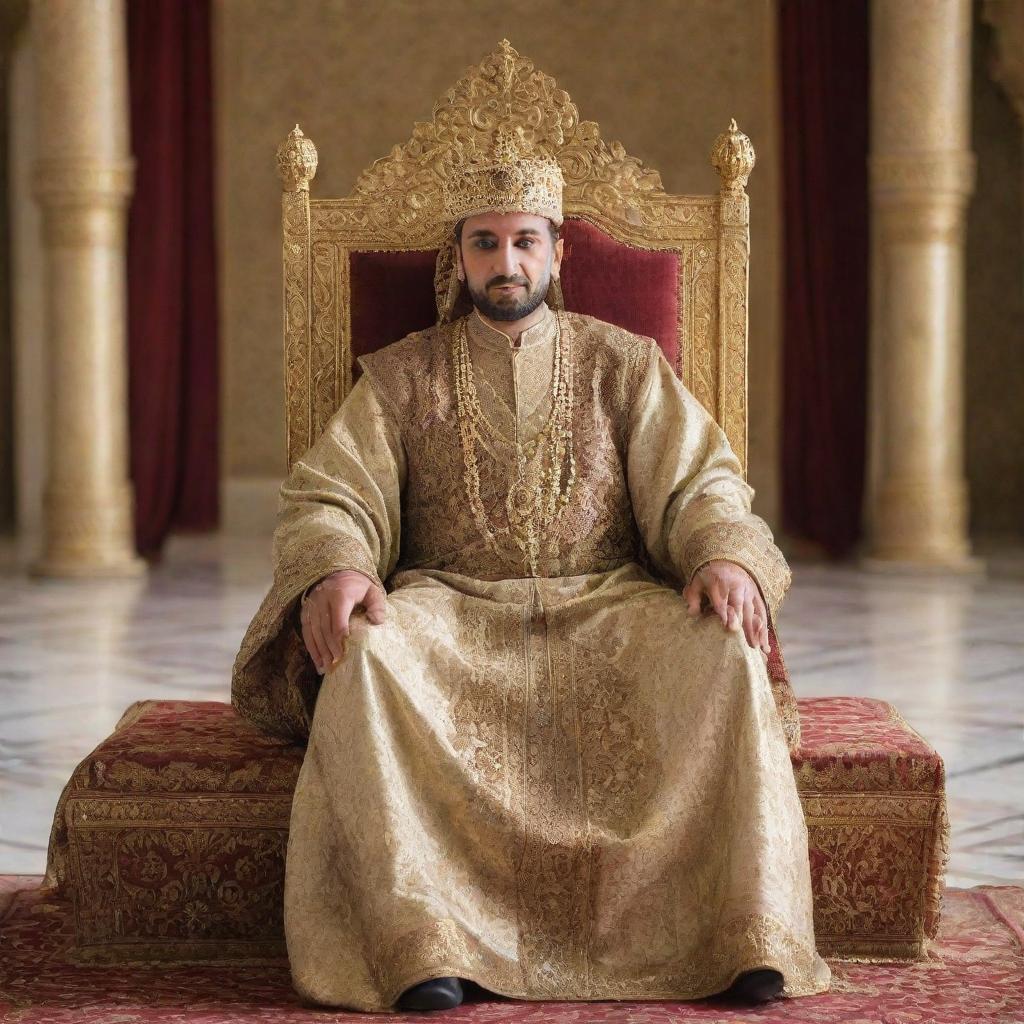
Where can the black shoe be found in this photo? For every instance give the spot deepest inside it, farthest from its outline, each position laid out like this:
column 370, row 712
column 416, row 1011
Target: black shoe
column 435, row 994
column 756, row 986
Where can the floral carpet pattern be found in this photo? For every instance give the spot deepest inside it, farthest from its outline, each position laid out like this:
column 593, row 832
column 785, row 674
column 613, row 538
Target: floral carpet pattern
column 975, row 975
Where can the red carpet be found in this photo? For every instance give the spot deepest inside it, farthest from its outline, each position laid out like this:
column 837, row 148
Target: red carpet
column 975, row 977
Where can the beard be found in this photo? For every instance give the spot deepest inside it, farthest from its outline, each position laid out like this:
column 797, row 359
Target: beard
column 513, row 306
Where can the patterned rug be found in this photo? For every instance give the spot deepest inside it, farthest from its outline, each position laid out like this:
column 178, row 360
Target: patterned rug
column 976, row 976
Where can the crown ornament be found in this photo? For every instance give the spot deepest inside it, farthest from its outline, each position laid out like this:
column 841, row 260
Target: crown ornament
column 511, row 176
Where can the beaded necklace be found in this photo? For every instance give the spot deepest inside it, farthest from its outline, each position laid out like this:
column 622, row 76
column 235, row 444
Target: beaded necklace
column 531, row 509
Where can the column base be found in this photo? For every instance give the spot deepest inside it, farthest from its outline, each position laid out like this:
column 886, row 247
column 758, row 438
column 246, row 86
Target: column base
column 903, row 564
column 129, row 567
column 920, row 525
column 88, row 534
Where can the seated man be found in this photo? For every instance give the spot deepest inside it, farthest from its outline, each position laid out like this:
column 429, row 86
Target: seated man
column 531, row 763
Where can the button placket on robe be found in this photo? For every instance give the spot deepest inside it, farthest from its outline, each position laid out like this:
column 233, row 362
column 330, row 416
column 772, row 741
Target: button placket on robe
column 514, row 381
column 516, row 360
column 515, row 391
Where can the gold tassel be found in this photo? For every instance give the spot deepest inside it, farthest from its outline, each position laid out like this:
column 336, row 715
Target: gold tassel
column 554, row 297
column 446, row 284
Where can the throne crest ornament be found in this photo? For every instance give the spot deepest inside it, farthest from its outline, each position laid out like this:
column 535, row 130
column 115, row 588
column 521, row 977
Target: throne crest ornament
column 187, row 804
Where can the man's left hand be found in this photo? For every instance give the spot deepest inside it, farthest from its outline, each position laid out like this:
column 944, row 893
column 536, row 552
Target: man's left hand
column 734, row 596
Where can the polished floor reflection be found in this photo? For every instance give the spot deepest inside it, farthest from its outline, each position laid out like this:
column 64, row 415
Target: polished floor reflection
column 949, row 653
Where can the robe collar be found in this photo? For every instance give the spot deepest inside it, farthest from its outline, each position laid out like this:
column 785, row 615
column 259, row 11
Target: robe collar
column 490, row 337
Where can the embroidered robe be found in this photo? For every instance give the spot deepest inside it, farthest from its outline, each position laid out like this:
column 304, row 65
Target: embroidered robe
column 555, row 783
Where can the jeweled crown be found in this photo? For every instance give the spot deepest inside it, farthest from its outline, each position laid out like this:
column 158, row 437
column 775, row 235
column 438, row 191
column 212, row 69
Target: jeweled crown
column 512, row 178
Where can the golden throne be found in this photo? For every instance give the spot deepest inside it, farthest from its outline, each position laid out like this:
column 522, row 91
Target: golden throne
column 181, row 783
column 394, row 209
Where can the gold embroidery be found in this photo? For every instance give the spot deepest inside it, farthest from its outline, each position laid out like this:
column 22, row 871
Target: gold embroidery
column 531, row 510
column 749, row 545
column 512, row 176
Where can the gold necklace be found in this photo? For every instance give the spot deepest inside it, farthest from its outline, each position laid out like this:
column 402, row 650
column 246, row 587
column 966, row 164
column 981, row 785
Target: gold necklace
column 530, row 509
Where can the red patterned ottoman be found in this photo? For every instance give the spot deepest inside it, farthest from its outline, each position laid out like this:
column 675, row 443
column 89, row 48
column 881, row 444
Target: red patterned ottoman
column 171, row 835
column 874, row 798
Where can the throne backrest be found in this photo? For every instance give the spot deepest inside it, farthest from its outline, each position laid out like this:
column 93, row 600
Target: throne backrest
column 364, row 271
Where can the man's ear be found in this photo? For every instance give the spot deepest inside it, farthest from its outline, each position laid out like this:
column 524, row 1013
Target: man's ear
column 556, row 260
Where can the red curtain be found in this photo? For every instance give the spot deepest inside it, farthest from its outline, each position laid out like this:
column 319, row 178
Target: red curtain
column 824, row 75
column 172, row 304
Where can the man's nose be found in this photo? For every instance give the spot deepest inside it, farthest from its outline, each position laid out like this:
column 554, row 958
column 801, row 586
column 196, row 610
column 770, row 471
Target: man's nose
column 507, row 261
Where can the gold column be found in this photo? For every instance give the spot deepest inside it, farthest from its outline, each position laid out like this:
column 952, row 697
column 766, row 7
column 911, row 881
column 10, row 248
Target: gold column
column 922, row 175
column 83, row 181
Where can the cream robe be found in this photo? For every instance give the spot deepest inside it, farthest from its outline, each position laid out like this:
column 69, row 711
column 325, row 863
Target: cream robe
column 562, row 786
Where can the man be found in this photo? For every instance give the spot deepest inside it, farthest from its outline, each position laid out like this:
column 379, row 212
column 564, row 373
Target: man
column 531, row 762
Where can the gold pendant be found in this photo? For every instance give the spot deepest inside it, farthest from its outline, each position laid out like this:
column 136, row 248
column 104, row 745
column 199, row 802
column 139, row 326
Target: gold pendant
column 519, row 502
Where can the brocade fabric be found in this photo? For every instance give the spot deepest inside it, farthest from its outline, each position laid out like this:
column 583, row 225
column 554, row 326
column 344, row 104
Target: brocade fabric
column 558, row 785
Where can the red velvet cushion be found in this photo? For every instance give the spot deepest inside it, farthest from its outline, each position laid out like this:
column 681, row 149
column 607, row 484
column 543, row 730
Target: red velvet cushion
column 188, row 746
column 840, row 732
column 174, row 746
column 633, row 288
column 392, row 293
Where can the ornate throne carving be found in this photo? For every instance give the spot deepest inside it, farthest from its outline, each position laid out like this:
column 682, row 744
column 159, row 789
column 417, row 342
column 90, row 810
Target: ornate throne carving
column 182, row 784
column 679, row 262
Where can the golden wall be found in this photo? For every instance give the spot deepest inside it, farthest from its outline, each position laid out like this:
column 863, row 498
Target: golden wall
column 662, row 77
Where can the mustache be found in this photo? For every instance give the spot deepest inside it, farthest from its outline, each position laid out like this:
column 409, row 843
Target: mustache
column 508, row 280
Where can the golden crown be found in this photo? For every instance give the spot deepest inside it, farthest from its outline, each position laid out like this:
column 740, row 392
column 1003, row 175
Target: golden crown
column 512, row 178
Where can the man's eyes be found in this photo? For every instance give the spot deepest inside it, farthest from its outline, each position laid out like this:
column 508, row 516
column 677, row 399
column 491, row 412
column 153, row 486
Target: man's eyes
column 486, row 243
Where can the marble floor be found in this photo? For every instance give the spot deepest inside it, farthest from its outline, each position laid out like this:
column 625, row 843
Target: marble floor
column 948, row 652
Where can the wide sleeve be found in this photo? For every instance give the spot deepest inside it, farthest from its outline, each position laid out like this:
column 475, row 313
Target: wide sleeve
column 689, row 498
column 339, row 508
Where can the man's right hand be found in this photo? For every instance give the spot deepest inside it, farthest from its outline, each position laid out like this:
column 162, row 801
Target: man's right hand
column 325, row 615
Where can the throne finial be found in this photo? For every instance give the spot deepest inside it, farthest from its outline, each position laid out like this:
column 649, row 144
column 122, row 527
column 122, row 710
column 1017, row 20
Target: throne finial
column 296, row 161
column 732, row 156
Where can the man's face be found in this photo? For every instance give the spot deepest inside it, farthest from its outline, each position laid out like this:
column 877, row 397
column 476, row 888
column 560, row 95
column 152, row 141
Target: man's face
column 507, row 261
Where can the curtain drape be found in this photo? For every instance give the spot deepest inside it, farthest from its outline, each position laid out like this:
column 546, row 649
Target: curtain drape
column 172, row 307
column 824, row 78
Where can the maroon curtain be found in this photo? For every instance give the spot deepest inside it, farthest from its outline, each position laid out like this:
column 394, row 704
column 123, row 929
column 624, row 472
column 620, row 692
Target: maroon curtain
column 172, row 307
column 824, row 75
